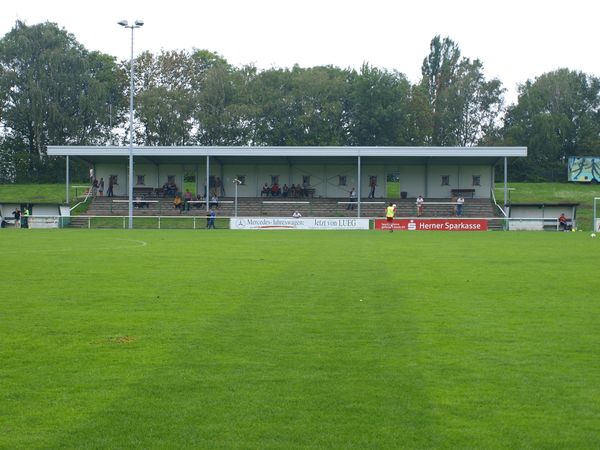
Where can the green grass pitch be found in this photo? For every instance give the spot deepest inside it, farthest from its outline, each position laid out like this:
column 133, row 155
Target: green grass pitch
column 298, row 340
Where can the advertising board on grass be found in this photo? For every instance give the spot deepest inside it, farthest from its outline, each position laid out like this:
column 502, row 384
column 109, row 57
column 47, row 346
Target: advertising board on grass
column 432, row 225
column 289, row 223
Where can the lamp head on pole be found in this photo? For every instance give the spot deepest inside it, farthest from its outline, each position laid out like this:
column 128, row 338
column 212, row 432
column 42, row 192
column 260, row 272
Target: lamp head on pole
column 123, row 23
column 139, row 23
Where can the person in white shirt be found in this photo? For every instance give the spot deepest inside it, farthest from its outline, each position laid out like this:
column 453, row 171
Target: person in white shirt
column 420, row 201
column 353, row 197
column 460, row 201
column 296, row 214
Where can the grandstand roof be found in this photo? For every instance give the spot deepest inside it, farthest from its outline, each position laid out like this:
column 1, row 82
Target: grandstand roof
column 239, row 154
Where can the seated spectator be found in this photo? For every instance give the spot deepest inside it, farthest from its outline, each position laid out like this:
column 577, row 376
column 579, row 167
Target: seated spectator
column 139, row 203
column 187, row 197
column 265, row 190
column 214, row 201
column 296, row 214
column 285, row 191
column 177, row 202
column 275, row 190
column 199, row 198
column 563, row 223
column 171, row 189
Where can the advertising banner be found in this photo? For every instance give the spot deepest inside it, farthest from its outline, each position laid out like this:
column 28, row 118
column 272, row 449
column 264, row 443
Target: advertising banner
column 433, row 224
column 289, row 223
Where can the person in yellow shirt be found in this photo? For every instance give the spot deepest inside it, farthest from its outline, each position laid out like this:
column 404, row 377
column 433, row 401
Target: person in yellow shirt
column 389, row 214
column 177, row 203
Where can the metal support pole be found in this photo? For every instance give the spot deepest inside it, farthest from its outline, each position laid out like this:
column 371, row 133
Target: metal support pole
column 505, row 185
column 67, row 180
column 207, row 181
column 358, row 187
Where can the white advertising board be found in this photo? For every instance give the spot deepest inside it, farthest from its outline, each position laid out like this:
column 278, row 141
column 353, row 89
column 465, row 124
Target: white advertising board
column 289, row 223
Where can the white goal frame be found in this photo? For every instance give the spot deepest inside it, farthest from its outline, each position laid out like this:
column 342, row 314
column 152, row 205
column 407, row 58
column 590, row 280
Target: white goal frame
column 595, row 218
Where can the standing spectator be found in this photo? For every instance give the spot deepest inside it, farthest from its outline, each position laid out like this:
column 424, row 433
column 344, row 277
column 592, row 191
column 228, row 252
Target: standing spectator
column 286, row 190
column 389, row 215
column 111, row 182
column 305, row 188
column 351, row 203
column 219, row 188
column 372, row 185
column 94, row 187
column 25, row 218
column 17, row 216
column 460, row 201
column 420, row 208
column 101, row 186
column 187, row 197
column 212, row 215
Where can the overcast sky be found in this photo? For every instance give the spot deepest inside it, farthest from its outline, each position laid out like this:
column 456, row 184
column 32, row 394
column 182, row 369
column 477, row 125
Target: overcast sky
column 515, row 39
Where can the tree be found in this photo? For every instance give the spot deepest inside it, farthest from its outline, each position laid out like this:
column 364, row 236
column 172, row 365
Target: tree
column 463, row 105
column 378, row 107
column 556, row 116
column 54, row 92
column 301, row 106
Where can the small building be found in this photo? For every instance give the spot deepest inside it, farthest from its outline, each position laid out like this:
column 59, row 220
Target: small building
column 540, row 216
column 42, row 215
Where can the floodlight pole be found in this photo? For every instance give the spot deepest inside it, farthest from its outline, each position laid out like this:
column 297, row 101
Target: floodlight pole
column 136, row 24
column 236, row 182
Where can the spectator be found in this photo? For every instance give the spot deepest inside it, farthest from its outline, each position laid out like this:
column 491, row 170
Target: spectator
column 111, row 183
column 25, row 218
column 563, row 223
column 199, row 198
column 214, row 201
column 285, row 191
column 210, row 220
column 17, row 216
column 352, row 202
column 296, row 214
column 275, row 189
column 139, row 203
column 372, row 186
column 460, row 201
column 172, row 188
column 305, row 187
column 219, row 186
column 94, row 187
column 177, row 203
column 187, row 197
column 101, row 187
column 420, row 208
column 265, row 190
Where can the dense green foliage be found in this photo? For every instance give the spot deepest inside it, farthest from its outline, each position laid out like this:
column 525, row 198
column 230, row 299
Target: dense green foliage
column 291, row 339
column 53, row 92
